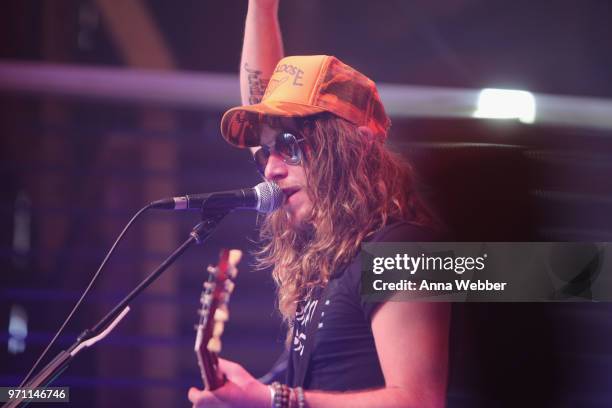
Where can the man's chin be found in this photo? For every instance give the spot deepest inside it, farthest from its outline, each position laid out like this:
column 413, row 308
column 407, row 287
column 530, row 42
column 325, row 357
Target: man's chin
column 295, row 222
column 298, row 221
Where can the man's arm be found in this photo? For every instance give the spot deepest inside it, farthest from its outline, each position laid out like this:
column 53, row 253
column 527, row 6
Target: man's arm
column 261, row 50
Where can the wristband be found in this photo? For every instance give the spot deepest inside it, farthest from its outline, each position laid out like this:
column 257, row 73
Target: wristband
column 280, row 395
column 272, row 394
column 301, row 400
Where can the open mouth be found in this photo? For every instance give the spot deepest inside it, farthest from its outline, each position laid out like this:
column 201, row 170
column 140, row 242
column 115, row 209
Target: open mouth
column 289, row 192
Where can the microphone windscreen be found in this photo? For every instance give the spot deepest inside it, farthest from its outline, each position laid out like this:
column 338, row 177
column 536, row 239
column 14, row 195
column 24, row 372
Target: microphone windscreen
column 269, row 197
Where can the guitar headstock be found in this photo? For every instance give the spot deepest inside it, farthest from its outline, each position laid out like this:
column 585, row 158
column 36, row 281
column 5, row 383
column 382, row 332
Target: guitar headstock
column 213, row 314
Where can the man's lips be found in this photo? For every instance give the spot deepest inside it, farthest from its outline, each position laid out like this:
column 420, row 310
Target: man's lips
column 288, row 192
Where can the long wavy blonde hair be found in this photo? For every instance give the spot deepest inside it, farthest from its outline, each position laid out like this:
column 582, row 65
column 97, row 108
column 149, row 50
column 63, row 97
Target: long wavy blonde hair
column 356, row 185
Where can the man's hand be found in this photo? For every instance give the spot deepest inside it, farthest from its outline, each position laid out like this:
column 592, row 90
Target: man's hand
column 240, row 390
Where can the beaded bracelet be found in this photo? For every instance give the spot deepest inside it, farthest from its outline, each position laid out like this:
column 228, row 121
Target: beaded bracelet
column 300, row 397
column 292, row 398
column 280, row 395
column 272, row 394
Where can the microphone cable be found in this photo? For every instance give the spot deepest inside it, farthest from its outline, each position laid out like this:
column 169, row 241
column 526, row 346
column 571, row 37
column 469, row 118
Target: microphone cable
column 87, row 289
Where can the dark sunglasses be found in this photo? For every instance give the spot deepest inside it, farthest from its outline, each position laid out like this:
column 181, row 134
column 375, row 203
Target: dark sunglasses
column 286, row 145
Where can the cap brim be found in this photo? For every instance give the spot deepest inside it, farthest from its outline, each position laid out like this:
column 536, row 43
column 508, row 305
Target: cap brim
column 240, row 125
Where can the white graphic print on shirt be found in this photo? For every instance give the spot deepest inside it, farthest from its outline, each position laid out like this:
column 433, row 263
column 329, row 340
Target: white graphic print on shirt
column 302, row 317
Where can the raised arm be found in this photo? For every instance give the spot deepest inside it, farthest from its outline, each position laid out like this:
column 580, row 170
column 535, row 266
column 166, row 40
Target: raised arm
column 262, row 48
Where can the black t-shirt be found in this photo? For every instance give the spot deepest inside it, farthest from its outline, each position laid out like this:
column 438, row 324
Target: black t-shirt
column 343, row 355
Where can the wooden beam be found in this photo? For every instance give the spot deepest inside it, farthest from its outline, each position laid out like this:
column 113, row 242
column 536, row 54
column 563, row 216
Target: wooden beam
column 134, row 33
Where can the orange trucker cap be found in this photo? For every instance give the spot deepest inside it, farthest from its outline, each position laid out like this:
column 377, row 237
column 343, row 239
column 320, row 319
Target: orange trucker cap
column 306, row 85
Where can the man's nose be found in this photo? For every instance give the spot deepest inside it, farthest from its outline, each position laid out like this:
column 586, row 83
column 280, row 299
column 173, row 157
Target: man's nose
column 276, row 168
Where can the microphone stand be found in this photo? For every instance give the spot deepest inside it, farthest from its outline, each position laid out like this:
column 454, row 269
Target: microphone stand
column 211, row 214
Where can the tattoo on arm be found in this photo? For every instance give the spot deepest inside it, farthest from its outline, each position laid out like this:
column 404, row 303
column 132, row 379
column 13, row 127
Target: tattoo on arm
column 257, row 84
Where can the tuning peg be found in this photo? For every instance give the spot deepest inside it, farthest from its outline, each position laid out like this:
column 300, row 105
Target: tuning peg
column 229, row 286
column 234, row 258
column 214, row 345
column 221, row 314
column 218, row 329
column 235, row 255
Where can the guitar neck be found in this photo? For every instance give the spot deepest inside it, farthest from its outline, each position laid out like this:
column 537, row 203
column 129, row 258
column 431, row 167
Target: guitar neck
column 209, row 370
column 213, row 315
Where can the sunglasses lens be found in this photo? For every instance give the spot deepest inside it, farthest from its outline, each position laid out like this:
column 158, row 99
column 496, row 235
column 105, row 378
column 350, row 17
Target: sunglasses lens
column 287, row 146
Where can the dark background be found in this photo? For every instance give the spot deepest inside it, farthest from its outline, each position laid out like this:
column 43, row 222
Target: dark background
column 73, row 171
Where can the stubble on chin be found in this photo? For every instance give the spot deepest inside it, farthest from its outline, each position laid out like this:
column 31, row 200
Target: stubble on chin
column 303, row 228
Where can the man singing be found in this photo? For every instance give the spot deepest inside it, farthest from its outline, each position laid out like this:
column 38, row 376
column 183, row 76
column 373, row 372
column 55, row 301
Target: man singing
column 318, row 131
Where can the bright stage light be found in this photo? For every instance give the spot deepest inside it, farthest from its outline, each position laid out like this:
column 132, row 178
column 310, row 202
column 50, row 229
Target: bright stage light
column 506, row 104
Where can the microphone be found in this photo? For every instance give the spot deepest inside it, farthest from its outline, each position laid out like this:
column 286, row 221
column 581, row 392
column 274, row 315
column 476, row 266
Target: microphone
column 264, row 197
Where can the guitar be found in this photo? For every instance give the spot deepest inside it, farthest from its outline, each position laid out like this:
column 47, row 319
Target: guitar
column 213, row 315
